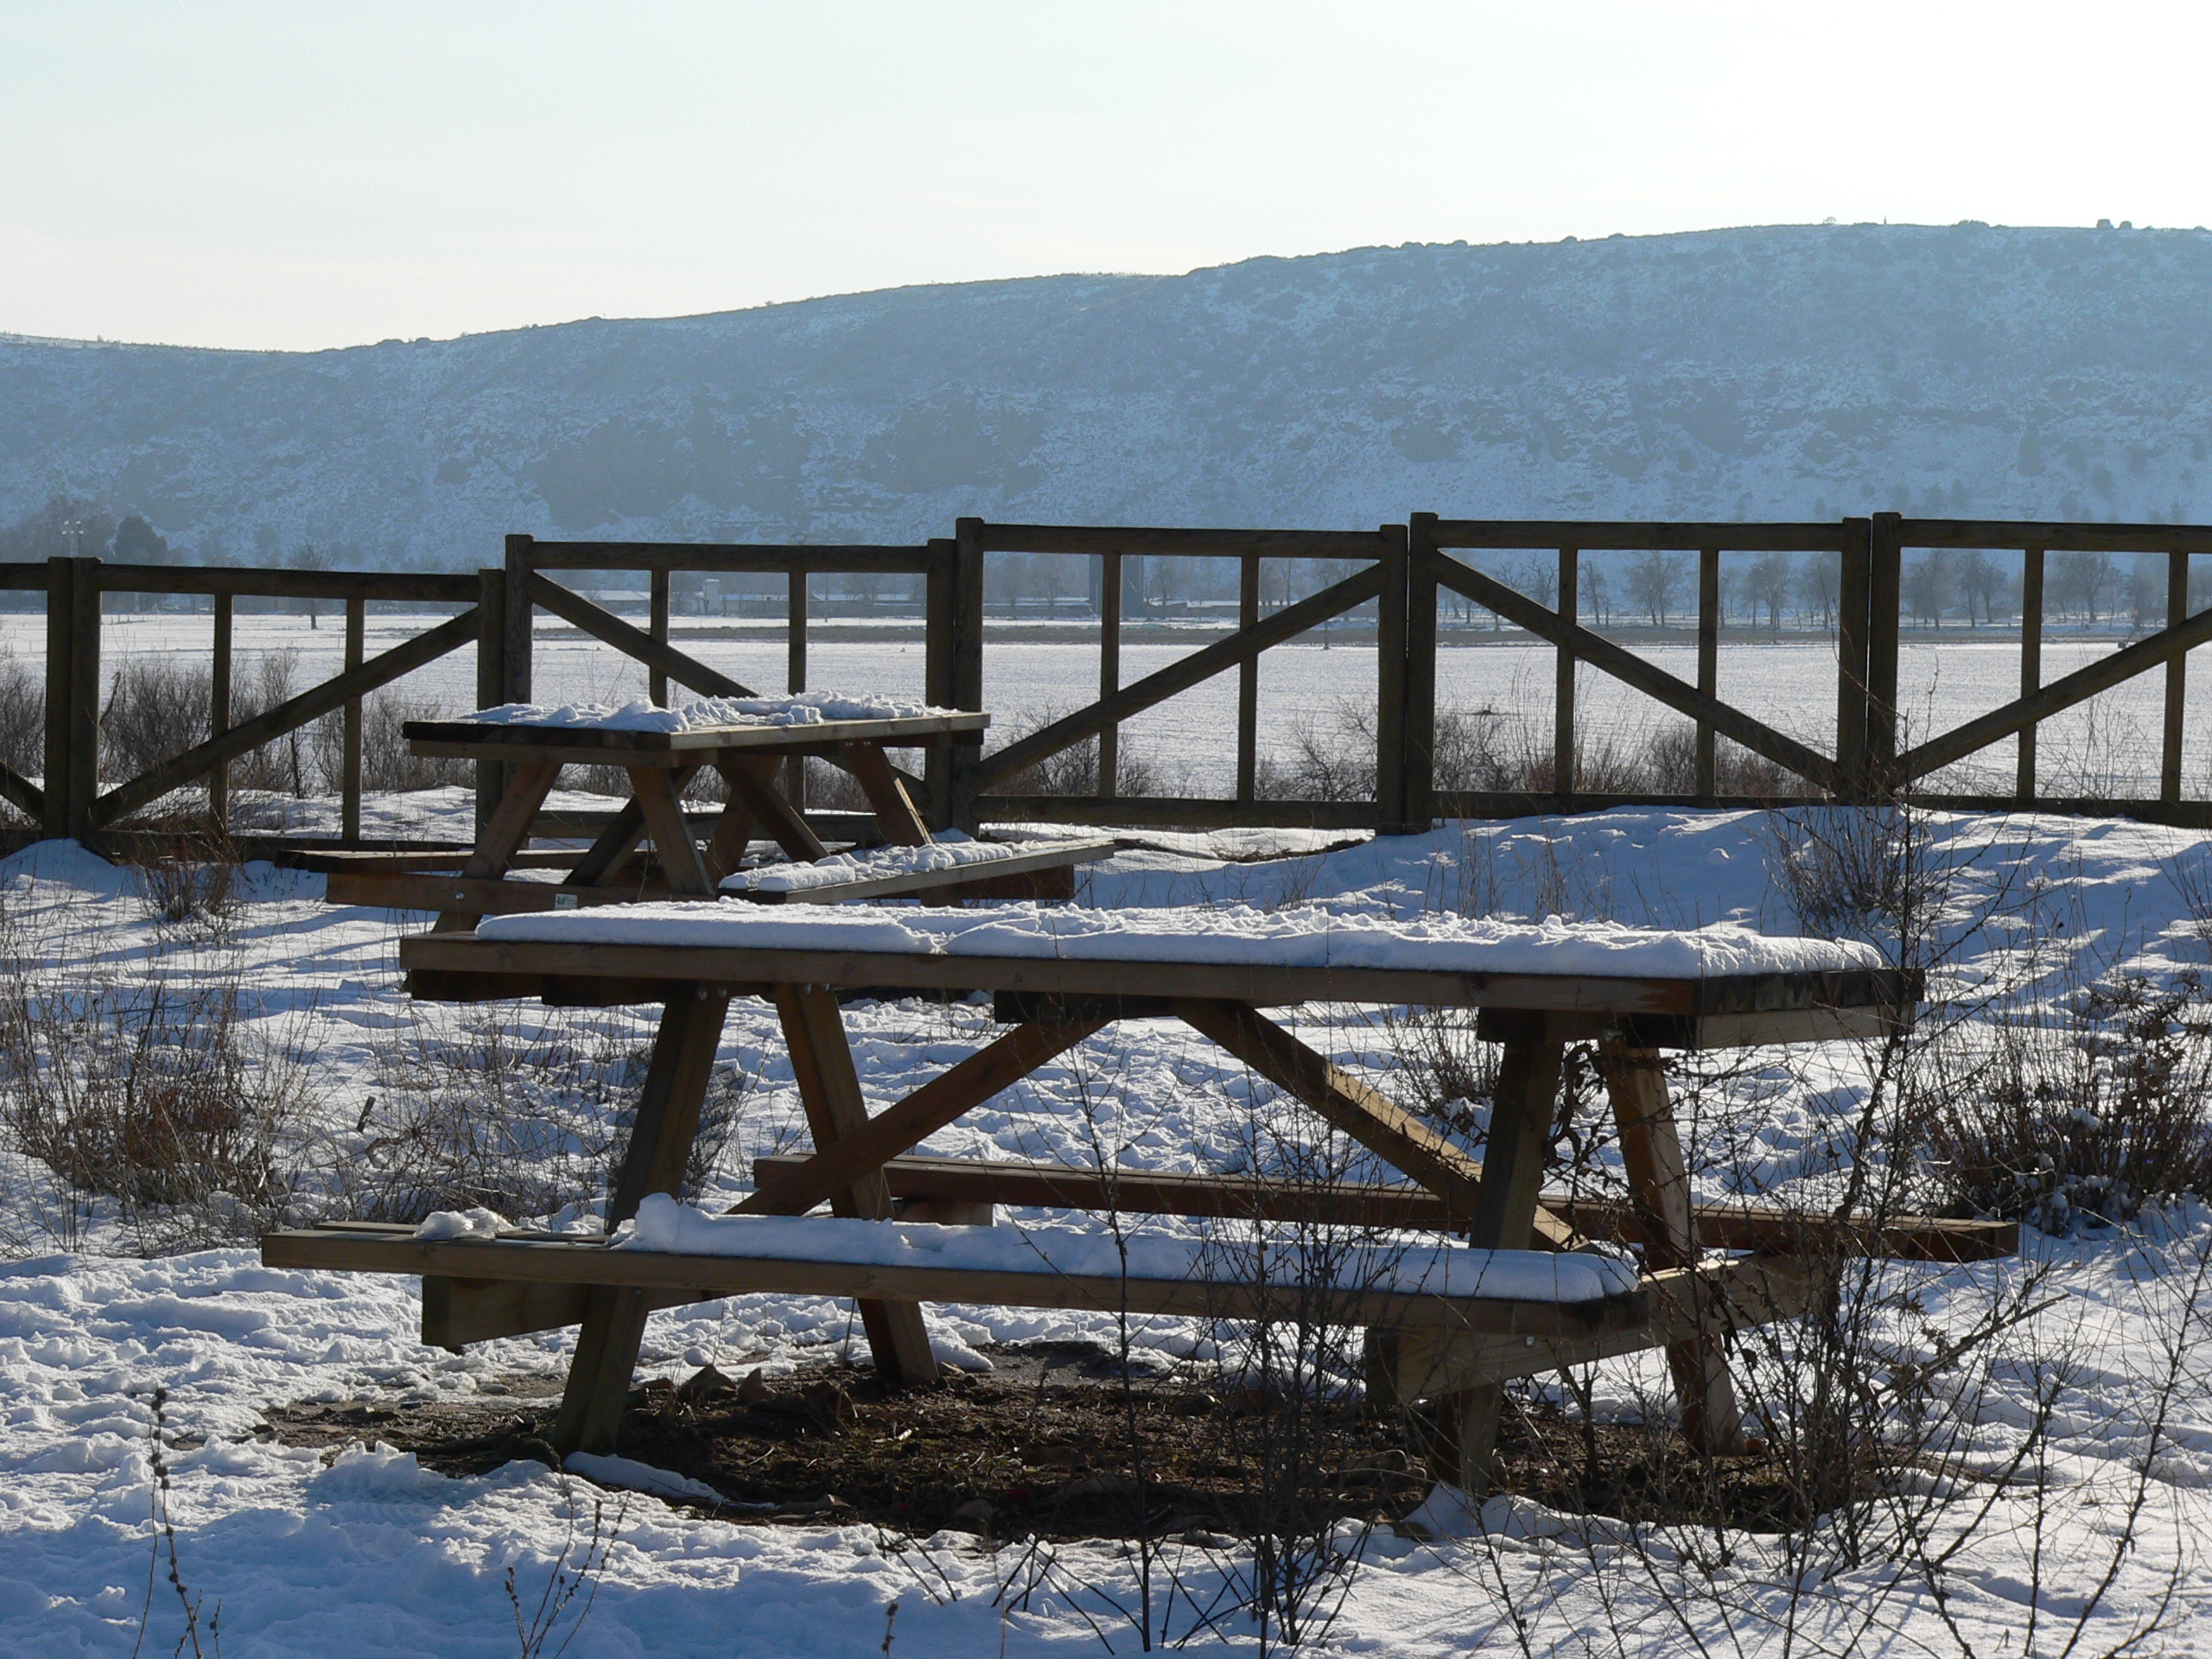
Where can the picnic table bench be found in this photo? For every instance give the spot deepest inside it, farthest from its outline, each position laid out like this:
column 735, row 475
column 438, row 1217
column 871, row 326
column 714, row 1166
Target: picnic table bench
column 1059, row 975
column 748, row 742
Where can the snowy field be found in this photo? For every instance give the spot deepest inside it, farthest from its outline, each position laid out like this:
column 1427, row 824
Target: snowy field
column 365, row 1553
column 2107, row 746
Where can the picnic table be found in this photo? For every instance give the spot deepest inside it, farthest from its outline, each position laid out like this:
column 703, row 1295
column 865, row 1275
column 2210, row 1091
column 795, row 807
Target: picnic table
column 747, row 742
column 1057, row 977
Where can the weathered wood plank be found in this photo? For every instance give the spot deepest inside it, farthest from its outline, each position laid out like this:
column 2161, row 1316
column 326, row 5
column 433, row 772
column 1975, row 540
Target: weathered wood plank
column 1357, row 1204
column 830, row 1087
column 1651, row 1154
column 1261, row 985
column 661, row 1134
column 957, row 880
column 1506, row 1216
column 698, row 1278
column 677, row 854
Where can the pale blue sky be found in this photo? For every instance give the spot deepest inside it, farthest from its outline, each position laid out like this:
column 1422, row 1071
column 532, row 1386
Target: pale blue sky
column 315, row 174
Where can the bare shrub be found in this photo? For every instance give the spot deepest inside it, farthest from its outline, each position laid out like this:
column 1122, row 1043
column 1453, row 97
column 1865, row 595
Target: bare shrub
column 22, row 716
column 188, row 879
column 1670, row 769
column 388, row 766
column 157, row 1098
column 1074, row 770
column 258, row 684
column 157, row 708
column 491, row 1115
column 2087, row 1121
column 520, row 1112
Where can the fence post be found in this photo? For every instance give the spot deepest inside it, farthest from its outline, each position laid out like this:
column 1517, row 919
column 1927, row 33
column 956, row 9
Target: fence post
column 2031, row 665
column 1421, row 671
column 491, row 681
column 1109, row 669
column 219, row 715
column 1248, row 684
column 349, row 789
column 1566, row 772
column 84, row 696
column 938, row 689
column 2176, row 677
column 967, row 652
column 657, row 625
column 1390, row 685
column 1885, row 570
column 795, row 597
column 1707, row 783
column 514, row 658
column 60, row 594
column 1852, row 612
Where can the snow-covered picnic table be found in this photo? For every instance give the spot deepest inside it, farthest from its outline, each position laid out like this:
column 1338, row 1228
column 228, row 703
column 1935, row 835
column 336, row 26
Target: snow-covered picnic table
column 1059, row 975
column 748, row 742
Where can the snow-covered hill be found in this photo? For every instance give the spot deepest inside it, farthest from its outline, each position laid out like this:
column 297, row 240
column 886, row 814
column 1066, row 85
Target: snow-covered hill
column 1754, row 373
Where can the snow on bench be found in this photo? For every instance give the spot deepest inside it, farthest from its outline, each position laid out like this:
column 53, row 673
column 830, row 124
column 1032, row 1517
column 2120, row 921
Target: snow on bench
column 1229, row 936
column 950, row 859
column 805, row 709
column 1458, row 1272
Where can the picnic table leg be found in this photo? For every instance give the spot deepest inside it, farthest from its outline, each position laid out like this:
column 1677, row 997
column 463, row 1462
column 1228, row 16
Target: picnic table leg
column 508, row 828
column 895, row 817
column 1504, row 1219
column 660, row 1144
column 815, row 1031
column 1658, row 1178
column 662, row 806
column 777, row 816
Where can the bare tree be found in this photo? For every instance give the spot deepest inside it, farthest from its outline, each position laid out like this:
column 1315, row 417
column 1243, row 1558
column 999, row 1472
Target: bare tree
column 1655, row 581
column 1768, row 584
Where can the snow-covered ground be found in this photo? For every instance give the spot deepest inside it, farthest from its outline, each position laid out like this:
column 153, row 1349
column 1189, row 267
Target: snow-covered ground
column 365, row 1553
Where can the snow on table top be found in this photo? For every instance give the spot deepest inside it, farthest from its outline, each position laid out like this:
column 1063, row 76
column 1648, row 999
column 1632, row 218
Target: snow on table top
column 1230, row 936
column 951, row 851
column 806, row 708
column 1424, row 1268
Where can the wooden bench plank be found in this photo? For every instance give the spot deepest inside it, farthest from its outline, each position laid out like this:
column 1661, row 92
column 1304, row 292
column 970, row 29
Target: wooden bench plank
column 1057, row 857
column 1380, row 1204
column 703, row 1278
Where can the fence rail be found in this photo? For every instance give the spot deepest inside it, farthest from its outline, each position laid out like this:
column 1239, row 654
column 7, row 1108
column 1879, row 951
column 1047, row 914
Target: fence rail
column 1393, row 576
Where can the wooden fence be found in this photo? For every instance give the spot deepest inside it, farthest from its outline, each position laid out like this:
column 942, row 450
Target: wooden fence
column 1392, row 574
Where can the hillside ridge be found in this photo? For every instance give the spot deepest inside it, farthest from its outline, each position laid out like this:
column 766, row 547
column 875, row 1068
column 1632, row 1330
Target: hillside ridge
column 1767, row 373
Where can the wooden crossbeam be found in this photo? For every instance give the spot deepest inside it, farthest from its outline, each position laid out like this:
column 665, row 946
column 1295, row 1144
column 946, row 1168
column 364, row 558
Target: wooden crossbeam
column 1200, row 665
column 772, row 811
column 940, row 1101
column 2061, row 694
column 1378, row 1124
column 23, row 793
column 1645, row 676
column 610, row 629
column 311, row 704
column 1363, row 1204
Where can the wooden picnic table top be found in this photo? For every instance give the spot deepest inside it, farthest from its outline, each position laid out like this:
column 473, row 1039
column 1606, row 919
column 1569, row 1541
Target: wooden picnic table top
column 464, row 964
column 484, row 740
